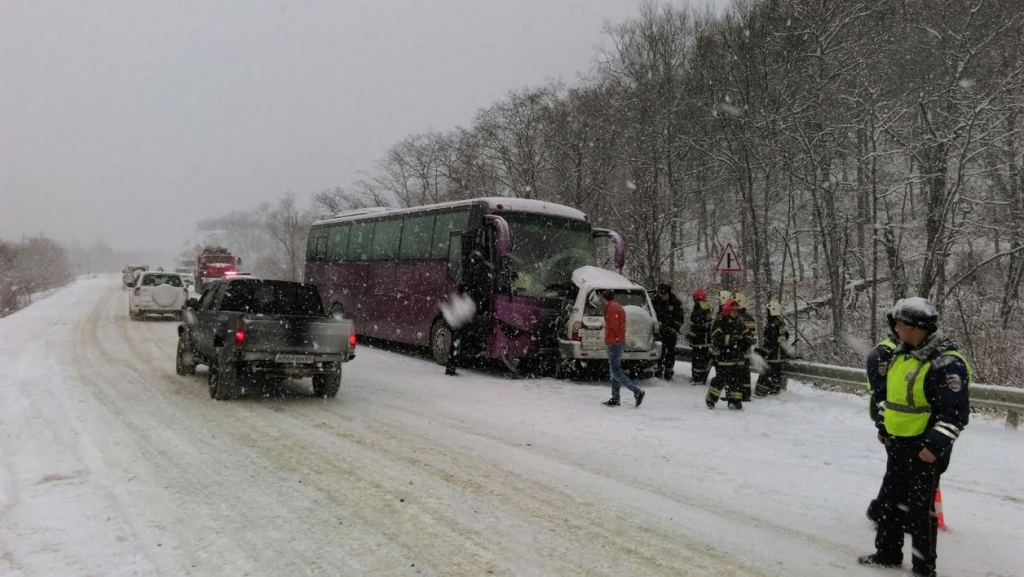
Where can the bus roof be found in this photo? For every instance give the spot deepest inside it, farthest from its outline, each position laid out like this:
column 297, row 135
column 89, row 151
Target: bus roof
column 491, row 204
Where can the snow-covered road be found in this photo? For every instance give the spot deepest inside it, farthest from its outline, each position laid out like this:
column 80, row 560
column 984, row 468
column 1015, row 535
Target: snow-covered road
column 111, row 464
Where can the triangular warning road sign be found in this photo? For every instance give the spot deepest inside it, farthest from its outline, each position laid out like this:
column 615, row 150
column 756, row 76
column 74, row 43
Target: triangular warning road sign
column 729, row 261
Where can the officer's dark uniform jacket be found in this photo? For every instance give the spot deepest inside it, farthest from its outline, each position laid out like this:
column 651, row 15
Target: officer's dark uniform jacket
column 925, row 394
column 700, row 325
column 669, row 312
column 877, row 367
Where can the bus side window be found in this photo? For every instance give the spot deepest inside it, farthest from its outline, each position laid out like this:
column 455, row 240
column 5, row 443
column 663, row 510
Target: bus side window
column 446, row 224
column 321, row 247
column 455, row 256
column 360, row 241
column 337, row 246
column 311, row 245
column 416, row 236
column 386, row 237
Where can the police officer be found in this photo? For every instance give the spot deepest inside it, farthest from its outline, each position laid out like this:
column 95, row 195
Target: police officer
column 877, row 367
column 775, row 333
column 700, row 338
column 669, row 310
column 926, row 396
column 751, row 323
column 731, row 339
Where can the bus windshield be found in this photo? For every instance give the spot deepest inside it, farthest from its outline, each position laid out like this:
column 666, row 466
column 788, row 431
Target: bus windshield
column 545, row 252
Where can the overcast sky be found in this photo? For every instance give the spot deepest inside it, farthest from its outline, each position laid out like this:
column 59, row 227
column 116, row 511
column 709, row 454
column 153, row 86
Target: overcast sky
column 130, row 120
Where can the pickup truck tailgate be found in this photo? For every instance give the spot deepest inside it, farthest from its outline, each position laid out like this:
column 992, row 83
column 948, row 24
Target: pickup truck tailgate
column 297, row 335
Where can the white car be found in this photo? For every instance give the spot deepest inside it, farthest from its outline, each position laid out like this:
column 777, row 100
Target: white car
column 581, row 338
column 131, row 273
column 157, row 293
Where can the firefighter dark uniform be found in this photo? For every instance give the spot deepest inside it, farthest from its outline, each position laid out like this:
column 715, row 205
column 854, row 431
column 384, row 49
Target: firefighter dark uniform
column 723, row 297
column 749, row 320
column 731, row 340
column 926, row 396
column 700, row 338
column 669, row 310
column 877, row 367
column 775, row 333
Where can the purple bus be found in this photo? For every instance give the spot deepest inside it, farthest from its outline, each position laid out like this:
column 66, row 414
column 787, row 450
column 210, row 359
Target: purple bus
column 389, row 269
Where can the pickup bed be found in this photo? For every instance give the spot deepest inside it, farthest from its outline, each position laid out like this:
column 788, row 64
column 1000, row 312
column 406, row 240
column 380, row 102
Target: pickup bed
column 245, row 328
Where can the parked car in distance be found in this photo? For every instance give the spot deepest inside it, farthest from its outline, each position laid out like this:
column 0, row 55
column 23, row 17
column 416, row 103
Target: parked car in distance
column 244, row 328
column 157, row 293
column 128, row 274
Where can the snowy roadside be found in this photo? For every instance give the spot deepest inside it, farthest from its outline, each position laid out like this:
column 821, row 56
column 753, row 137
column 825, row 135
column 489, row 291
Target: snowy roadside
column 112, row 464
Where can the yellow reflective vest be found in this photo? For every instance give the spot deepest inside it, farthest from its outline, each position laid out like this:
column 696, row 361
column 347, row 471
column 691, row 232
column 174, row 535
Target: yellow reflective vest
column 907, row 411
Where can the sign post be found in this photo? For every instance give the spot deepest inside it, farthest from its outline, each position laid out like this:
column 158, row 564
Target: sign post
column 728, row 262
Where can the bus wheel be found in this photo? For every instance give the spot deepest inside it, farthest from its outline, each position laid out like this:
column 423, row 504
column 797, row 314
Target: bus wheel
column 440, row 341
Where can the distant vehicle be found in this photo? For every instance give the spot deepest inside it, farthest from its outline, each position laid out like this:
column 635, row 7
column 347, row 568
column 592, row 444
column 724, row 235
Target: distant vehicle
column 212, row 263
column 581, row 330
column 246, row 327
column 389, row 270
column 157, row 293
column 128, row 274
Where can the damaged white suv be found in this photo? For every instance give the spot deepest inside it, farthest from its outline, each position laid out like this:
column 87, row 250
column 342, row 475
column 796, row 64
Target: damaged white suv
column 581, row 337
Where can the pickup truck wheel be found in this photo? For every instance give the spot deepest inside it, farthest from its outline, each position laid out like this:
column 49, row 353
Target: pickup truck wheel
column 223, row 382
column 327, row 385
column 440, row 341
column 184, row 359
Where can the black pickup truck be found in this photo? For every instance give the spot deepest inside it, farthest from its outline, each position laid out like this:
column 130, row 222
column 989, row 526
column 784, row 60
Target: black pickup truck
column 245, row 328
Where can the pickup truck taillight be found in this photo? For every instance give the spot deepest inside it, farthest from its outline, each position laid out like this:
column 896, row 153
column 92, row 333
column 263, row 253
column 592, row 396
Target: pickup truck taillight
column 352, row 341
column 240, row 332
column 576, row 331
column 657, row 330
column 137, row 291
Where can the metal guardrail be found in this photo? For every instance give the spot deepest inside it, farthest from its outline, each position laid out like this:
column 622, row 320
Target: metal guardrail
column 854, row 380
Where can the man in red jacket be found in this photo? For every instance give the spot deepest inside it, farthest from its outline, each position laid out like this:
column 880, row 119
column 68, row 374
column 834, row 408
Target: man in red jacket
column 615, row 340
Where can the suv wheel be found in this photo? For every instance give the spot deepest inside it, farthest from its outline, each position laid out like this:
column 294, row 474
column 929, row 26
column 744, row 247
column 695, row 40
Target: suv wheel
column 327, row 385
column 184, row 360
column 222, row 381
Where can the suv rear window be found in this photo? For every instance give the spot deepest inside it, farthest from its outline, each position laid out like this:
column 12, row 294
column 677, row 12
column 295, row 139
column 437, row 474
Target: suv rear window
column 161, row 279
column 218, row 259
column 624, row 297
column 272, row 298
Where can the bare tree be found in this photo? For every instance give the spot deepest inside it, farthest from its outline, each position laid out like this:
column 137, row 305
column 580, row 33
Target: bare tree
column 289, row 227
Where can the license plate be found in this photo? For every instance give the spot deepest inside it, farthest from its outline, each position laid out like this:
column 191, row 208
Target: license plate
column 295, row 359
column 592, row 339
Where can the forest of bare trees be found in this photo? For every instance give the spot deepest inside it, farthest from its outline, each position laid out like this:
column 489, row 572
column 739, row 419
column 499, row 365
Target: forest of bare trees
column 857, row 151
column 32, row 265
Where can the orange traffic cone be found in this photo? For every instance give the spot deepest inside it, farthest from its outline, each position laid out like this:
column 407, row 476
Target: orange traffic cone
column 938, row 509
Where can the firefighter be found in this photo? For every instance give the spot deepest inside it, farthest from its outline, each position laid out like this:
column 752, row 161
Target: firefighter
column 775, row 334
column 927, row 406
column 669, row 310
column 723, row 297
column 700, row 338
column 731, row 339
column 749, row 320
